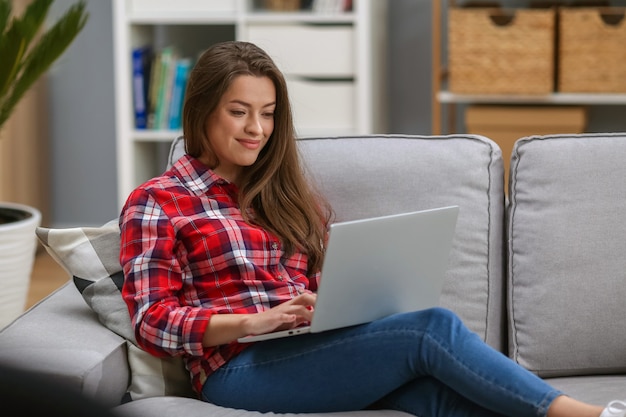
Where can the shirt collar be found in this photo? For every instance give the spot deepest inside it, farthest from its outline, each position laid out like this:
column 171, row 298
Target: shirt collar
column 196, row 176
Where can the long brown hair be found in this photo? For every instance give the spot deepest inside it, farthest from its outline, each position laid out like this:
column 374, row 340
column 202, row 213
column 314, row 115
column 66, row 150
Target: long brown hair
column 275, row 186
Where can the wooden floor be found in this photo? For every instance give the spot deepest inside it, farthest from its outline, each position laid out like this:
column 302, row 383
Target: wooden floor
column 47, row 276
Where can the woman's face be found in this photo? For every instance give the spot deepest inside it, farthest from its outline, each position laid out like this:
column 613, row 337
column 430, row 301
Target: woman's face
column 241, row 124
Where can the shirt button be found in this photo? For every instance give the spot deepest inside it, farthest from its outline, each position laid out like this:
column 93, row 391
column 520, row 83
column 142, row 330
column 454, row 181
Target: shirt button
column 280, row 277
column 274, row 246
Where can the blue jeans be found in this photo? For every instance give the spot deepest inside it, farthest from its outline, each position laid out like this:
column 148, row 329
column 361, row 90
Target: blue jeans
column 426, row 363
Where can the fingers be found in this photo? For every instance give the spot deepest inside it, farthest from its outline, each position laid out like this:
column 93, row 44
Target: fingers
column 290, row 314
column 306, row 299
column 303, row 312
column 298, row 310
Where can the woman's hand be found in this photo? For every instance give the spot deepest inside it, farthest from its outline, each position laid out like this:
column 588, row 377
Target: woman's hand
column 225, row 328
column 287, row 315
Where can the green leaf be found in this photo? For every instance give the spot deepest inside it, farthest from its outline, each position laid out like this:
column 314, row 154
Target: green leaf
column 12, row 50
column 5, row 13
column 33, row 18
column 26, row 65
column 18, row 36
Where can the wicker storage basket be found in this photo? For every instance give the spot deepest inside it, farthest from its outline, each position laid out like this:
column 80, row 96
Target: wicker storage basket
column 282, row 5
column 485, row 57
column 592, row 52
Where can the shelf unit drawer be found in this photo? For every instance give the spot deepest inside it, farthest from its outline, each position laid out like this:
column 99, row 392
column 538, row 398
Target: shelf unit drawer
column 322, row 106
column 189, row 6
column 322, row 50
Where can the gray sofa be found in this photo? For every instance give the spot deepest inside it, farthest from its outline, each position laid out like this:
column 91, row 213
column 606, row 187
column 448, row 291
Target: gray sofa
column 540, row 276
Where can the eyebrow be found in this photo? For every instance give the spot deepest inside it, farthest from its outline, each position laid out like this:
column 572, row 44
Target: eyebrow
column 243, row 103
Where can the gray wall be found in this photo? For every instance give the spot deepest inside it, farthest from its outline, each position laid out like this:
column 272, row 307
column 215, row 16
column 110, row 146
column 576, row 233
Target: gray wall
column 83, row 173
column 409, row 72
column 82, row 123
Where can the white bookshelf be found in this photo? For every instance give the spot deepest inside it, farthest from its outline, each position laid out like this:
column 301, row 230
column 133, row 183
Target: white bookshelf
column 334, row 64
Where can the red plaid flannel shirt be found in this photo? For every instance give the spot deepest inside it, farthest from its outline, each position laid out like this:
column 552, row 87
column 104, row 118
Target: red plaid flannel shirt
column 187, row 254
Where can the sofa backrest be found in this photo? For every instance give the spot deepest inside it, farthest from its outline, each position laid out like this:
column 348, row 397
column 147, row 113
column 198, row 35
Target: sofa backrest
column 567, row 254
column 386, row 174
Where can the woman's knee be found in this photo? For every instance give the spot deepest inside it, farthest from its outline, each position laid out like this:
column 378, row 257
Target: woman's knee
column 441, row 315
column 444, row 314
column 436, row 317
column 441, row 321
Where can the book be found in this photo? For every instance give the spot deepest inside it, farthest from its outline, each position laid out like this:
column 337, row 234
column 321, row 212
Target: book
column 181, row 74
column 141, row 58
column 164, row 88
column 153, row 89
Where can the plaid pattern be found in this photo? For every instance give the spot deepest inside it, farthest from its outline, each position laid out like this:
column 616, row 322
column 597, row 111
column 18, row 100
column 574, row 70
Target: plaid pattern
column 186, row 249
column 91, row 256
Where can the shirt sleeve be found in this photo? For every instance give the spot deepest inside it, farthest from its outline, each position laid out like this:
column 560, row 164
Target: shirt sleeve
column 153, row 281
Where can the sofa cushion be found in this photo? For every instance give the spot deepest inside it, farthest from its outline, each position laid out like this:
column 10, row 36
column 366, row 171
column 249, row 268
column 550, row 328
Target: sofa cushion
column 91, row 256
column 386, row 174
column 592, row 389
column 175, row 406
column 566, row 263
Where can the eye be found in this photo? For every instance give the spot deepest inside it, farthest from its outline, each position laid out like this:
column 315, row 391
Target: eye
column 268, row 114
column 237, row 113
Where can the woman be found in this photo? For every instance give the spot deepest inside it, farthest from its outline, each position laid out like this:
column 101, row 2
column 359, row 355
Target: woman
column 229, row 242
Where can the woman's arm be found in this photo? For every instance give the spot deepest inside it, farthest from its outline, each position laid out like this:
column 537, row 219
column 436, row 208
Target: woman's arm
column 153, row 280
column 226, row 328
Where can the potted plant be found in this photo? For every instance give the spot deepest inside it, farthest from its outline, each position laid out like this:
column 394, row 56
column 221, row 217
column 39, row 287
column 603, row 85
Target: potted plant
column 27, row 50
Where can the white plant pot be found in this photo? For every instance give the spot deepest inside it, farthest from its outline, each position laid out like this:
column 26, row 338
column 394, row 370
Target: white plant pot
column 18, row 244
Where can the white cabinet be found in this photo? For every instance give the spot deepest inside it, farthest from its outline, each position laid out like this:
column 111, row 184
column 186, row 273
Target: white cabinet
column 307, row 49
column 319, row 63
column 324, row 107
column 333, row 61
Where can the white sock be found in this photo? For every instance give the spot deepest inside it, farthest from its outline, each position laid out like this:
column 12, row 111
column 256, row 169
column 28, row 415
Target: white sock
column 614, row 409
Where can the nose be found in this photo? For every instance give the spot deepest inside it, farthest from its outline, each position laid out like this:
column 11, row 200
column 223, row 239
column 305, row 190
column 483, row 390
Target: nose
column 253, row 125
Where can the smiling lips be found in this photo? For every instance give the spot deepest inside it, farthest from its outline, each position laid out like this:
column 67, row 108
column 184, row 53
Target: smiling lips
column 249, row 143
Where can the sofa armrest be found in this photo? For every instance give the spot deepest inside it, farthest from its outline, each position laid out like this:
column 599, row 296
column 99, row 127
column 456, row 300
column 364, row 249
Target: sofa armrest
column 61, row 338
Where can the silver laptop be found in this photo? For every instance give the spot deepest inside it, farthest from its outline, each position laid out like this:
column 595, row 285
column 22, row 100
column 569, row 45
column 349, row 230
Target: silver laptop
column 380, row 266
